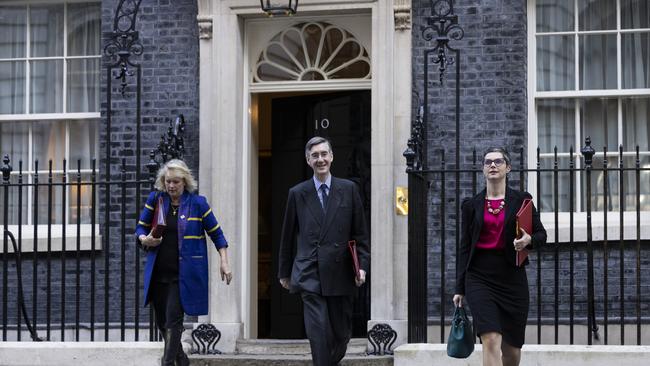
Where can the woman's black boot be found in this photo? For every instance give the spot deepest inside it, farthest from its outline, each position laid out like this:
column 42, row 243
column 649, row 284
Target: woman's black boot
column 181, row 358
column 172, row 345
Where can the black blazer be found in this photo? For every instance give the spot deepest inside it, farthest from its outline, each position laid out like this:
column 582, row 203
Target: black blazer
column 472, row 222
column 323, row 263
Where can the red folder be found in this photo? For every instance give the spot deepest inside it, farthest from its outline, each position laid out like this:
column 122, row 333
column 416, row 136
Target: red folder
column 158, row 223
column 524, row 221
column 352, row 245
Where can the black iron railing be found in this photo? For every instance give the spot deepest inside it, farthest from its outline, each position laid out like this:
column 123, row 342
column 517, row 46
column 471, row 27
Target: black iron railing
column 53, row 306
column 67, row 300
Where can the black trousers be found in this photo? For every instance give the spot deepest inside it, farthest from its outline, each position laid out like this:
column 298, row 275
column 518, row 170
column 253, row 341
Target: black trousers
column 166, row 302
column 328, row 323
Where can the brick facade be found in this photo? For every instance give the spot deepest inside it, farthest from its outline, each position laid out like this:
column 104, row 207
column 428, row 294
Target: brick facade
column 170, row 86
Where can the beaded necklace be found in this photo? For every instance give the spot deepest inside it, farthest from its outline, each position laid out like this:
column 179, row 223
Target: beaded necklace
column 495, row 210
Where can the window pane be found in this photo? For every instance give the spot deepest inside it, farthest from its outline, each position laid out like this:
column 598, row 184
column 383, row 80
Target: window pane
column 555, row 63
column 548, row 191
column 12, row 87
column 46, row 86
column 636, row 123
column 333, row 38
column 83, row 85
column 635, row 14
column 14, row 141
column 85, row 147
column 80, row 207
column 13, row 22
column 612, row 182
column 630, row 183
column 49, row 196
column 13, row 204
column 596, row 14
column 275, row 53
column 84, row 29
column 599, row 120
column 268, row 72
column 599, row 183
column 353, row 70
column 46, row 27
column 554, row 15
column 556, row 124
column 49, row 143
column 598, row 61
column 313, row 51
column 312, row 36
column 635, row 57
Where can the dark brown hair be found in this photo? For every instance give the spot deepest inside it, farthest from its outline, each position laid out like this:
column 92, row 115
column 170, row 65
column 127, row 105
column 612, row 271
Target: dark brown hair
column 501, row 150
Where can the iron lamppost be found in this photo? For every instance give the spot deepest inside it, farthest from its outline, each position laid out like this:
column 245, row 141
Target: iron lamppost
column 272, row 7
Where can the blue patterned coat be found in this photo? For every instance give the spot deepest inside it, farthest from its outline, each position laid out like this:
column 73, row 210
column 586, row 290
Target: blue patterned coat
column 195, row 220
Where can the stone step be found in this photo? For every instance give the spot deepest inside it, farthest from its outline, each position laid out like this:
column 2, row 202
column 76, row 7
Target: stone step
column 357, row 346
column 284, row 360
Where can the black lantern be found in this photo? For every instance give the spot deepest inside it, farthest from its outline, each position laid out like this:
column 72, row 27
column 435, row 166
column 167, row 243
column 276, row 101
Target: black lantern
column 273, row 7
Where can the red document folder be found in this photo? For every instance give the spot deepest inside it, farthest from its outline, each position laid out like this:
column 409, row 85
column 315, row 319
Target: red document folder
column 158, row 223
column 524, row 221
column 352, row 245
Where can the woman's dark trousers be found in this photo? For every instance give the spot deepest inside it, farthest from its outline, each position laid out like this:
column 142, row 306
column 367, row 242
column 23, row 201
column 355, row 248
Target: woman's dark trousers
column 169, row 316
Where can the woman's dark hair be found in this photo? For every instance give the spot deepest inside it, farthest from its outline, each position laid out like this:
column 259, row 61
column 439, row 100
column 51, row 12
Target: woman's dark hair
column 501, row 150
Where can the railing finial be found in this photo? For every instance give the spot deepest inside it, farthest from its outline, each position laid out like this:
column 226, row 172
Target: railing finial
column 413, row 153
column 6, row 168
column 588, row 152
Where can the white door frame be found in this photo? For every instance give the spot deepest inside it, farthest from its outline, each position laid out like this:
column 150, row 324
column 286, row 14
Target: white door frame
column 227, row 152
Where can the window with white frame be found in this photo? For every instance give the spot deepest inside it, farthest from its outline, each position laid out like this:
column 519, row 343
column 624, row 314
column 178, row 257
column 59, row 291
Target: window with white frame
column 592, row 78
column 50, row 55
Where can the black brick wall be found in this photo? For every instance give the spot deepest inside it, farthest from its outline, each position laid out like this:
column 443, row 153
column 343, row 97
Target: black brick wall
column 493, row 91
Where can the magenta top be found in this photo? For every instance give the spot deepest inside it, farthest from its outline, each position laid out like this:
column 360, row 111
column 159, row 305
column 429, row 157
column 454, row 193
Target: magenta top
column 490, row 237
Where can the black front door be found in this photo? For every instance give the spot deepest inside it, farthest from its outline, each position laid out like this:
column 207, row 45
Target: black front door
column 344, row 118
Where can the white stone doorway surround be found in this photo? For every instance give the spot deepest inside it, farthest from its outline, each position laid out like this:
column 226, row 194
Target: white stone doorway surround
column 228, row 152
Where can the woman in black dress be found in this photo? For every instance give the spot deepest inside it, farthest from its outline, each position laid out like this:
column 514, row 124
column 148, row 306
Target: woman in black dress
column 496, row 289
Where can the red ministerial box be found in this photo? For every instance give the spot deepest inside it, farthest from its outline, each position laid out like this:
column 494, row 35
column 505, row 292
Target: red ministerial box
column 352, row 245
column 525, row 222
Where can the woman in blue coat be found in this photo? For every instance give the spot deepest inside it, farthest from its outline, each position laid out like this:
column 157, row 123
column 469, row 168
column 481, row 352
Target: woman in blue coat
column 176, row 273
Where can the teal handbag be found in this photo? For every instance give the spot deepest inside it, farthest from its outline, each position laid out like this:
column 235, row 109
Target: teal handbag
column 460, row 343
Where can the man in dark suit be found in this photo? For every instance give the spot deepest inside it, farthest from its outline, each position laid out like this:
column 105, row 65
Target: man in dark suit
column 323, row 213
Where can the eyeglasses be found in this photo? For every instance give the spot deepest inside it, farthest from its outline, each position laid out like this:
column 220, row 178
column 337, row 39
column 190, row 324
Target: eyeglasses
column 497, row 162
column 323, row 154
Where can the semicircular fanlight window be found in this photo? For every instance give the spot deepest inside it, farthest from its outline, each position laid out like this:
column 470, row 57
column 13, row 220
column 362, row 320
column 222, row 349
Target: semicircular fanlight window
column 312, row 51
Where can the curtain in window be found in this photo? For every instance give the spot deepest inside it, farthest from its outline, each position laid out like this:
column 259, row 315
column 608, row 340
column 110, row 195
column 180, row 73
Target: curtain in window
column 46, row 30
column 12, row 45
column 46, row 76
column 635, row 58
column 636, row 119
column 14, row 138
column 85, row 136
column 556, row 119
column 83, row 40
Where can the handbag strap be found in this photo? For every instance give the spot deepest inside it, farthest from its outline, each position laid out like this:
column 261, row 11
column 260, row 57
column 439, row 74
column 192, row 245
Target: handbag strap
column 460, row 315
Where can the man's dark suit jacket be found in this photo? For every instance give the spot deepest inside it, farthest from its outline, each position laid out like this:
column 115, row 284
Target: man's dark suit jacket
column 323, row 263
column 473, row 210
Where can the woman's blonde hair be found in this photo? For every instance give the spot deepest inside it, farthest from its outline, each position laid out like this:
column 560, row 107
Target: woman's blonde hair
column 175, row 168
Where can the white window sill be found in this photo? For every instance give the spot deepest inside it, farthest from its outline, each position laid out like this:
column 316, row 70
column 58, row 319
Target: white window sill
column 597, row 224
column 27, row 240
